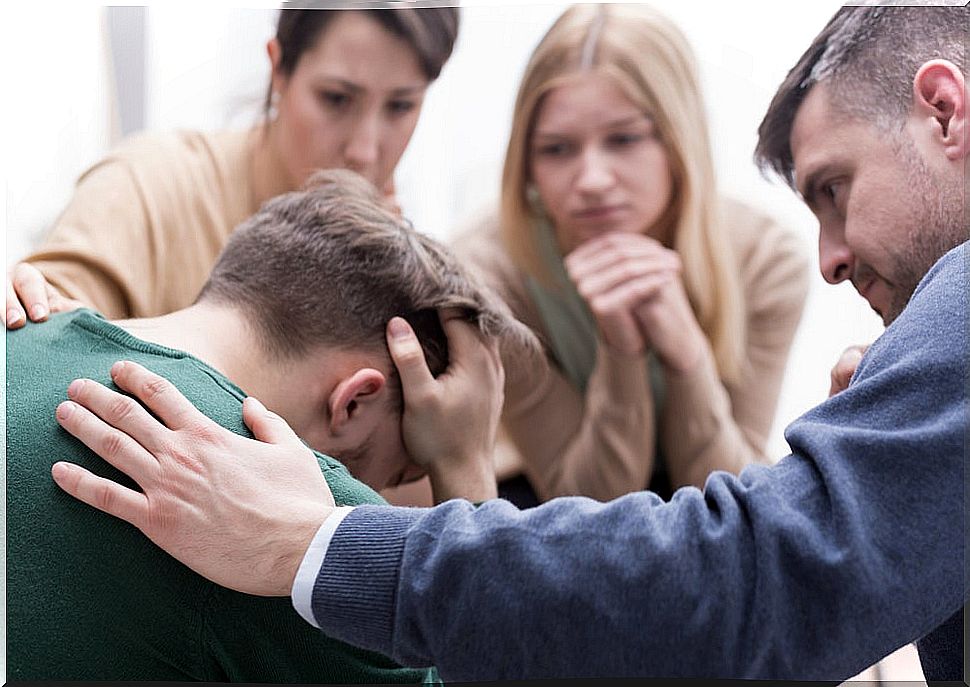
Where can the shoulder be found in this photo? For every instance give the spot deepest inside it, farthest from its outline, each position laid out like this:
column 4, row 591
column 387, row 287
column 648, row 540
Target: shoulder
column 347, row 490
column 479, row 245
column 758, row 239
column 938, row 308
column 179, row 145
column 773, row 261
column 167, row 170
column 479, row 242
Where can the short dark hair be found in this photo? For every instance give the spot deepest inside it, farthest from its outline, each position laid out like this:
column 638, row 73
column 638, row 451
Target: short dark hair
column 867, row 56
column 430, row 31
column 331, row 265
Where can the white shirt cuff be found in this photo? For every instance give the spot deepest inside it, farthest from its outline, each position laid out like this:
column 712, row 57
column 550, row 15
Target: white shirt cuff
column 306, row 576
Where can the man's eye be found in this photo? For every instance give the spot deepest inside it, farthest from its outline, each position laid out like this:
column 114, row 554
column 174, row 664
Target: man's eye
column 833, row 191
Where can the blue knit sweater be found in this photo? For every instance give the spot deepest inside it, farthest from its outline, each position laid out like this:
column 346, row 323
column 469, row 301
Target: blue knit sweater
column 814, row 568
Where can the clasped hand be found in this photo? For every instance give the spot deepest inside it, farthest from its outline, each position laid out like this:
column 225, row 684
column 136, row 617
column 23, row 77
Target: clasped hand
column 633, row 287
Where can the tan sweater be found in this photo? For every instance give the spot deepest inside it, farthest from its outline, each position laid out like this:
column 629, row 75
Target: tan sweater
column 145, row 225
column 602, row 445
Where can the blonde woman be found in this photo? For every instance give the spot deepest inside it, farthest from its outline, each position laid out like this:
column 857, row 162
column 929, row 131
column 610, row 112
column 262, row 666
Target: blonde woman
column 667, row 311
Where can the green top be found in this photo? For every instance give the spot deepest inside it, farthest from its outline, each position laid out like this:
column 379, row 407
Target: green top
column 90, row 597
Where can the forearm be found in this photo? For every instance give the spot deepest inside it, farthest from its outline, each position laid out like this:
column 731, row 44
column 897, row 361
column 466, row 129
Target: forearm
column 699, row 430
column 714, row 587
column 473, row 480
column 741, row 580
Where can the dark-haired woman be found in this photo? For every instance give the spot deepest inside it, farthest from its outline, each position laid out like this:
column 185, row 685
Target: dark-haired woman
column 145, row 224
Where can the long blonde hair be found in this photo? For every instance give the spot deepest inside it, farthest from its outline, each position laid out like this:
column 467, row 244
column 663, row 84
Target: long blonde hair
column 649, row 58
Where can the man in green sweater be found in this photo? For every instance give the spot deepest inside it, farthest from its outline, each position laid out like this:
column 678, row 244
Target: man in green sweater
column 295, row 312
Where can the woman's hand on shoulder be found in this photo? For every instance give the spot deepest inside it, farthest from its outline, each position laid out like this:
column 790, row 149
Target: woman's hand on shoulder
column 615, row 274
column 29, row 295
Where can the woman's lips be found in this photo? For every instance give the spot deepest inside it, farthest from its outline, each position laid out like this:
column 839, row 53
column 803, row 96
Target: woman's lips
column 599, row 213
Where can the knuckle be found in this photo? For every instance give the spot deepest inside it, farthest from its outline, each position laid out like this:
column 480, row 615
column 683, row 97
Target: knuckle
column 410, row 355
column 121, row 409
column 186, row 460
column 113, row 445
column 200, row 430
column 103, row 497
column 154, row 388
column 24, row 274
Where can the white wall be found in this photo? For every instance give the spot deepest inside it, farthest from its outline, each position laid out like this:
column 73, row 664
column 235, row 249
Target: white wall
column 207, row 68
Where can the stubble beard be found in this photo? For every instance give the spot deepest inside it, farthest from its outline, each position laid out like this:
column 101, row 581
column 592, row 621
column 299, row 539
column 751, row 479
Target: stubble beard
column 937, row 224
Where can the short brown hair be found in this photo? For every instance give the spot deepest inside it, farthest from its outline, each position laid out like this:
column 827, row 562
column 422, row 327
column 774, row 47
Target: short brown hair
column 868, row 57
column 331, row 265
column 429, row 31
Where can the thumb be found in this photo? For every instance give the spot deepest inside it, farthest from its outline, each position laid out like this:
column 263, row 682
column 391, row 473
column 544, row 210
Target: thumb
column 267, row 426
column 407, row 355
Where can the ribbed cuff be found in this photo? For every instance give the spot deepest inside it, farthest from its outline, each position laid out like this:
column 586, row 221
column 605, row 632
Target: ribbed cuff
column 306, row 575
column 355, row 593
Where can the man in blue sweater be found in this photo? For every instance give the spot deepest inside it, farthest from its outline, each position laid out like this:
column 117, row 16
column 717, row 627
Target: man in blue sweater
column 815, row 568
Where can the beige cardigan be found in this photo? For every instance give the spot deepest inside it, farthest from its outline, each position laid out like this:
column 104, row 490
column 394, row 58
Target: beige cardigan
column 146, row 224
column 602, row 445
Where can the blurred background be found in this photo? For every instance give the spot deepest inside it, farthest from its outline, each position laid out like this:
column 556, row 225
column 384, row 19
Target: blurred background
column 78, row 77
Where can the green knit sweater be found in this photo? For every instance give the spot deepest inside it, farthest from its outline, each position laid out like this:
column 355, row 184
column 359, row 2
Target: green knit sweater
column 88, row 596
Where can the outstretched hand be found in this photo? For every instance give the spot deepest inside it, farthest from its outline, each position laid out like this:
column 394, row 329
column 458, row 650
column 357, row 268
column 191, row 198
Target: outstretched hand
column 237, row 511
column 450, row 422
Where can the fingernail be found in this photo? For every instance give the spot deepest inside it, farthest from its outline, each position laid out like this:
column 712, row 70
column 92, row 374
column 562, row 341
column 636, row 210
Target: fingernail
column 64, row 410
column 37, row 312
column 256, row 402
column 61, row 469
column 14, row 316
column 117, row 368
column 399, row 328
column 74, row 388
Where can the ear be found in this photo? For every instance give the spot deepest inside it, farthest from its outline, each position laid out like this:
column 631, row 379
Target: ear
column 354, row 399
column 939, row 98
column 275, row 52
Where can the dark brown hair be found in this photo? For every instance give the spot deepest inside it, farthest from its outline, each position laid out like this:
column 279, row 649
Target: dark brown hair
column 430, row 31
column 331, row 265
column 867, row 57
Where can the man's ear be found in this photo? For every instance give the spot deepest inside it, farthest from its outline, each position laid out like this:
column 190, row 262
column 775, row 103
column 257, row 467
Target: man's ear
column 354, row 398
column 939, row 97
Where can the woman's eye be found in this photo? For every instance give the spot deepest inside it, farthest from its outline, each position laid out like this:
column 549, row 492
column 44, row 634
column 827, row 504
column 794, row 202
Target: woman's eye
column 400, row 106
column 334, row 98
column 553, row 149
column 620, row 140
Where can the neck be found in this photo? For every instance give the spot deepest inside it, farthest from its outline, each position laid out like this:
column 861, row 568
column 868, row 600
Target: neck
column 219, row 336
column 269, row 176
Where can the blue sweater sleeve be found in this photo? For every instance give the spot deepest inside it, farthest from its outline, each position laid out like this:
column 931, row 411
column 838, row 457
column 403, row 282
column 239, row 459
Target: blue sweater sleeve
column 812, row 569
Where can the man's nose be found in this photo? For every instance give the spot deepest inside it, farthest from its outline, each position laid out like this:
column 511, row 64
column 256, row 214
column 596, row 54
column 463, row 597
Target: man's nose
column 835, row 258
